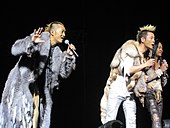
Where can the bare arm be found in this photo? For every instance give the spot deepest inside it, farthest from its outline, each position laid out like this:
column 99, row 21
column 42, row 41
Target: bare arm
column 135, row 69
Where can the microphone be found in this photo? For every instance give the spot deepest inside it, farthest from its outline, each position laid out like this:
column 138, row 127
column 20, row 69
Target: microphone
column 67, row 42
column 155, row 46
column 165, row 74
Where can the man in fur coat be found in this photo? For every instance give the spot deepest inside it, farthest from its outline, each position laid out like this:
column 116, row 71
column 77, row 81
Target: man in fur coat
column 27, row 97
column 126, row 68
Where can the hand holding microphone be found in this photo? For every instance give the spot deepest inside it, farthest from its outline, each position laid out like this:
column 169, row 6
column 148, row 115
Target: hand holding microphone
column 71, row 47
column 164, row 65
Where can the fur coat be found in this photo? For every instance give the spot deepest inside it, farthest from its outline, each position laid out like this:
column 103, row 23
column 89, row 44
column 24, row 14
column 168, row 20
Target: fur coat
column 16, row 108
column 129, row 48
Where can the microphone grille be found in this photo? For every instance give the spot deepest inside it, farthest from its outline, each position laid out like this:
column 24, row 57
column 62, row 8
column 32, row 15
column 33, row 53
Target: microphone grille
column 66, row 41
column 164, row 60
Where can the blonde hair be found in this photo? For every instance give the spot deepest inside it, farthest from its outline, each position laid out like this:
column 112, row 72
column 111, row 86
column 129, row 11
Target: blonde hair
column 148, row 28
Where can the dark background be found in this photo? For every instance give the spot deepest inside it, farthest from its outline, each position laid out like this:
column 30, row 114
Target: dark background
column 97, row 29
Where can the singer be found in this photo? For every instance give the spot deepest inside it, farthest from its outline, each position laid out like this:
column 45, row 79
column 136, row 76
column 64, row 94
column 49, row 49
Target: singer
column 157, row 79
column 127, row 61
column 27, row 97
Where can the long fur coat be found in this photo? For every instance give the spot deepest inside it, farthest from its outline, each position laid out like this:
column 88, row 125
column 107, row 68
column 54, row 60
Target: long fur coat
column 16, row 108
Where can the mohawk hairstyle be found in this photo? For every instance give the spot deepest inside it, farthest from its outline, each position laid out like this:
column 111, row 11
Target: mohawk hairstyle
column 49, row 26
column 148, row 28
column 143, row 31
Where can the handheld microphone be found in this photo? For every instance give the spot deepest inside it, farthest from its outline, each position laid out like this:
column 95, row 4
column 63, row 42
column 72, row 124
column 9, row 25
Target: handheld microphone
column 155, row 46
column 67, row 42
column 165, row 74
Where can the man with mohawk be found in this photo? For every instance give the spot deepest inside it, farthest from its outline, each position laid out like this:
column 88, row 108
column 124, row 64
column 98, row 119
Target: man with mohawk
column 27, row 97
column 126, row 68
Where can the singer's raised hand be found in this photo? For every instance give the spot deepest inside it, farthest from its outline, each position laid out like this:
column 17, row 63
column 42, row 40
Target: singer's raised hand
column 36, row 37
column 164, row 65
column 150, row 62
column 70, row 49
